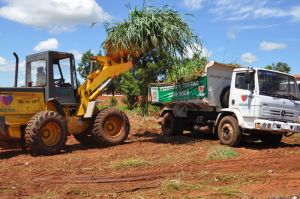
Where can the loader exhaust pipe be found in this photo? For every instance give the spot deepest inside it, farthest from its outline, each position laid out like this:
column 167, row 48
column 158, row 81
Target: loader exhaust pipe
column 17, row 69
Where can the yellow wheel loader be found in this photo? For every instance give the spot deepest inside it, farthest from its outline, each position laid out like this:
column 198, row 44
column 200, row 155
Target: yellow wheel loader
column 52, row 105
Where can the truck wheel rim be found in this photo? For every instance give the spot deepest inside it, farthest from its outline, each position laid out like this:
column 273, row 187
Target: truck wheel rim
column 113, row 126
column 227, row 131
column 51, row 134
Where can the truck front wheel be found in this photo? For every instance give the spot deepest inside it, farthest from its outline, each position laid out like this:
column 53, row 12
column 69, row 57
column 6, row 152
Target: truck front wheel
column 171, row 125
column 229, row 132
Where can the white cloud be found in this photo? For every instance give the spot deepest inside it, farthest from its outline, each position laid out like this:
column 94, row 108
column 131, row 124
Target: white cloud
column 193, row 4
column 6, row 66
column 295, row 12
column 2, row 60
column 49, row 44
column 249, row 58
column 204, row 52
column 235, row 10
column 270, row 46
column 77, row 55
column 54, row 15
column 231, row 34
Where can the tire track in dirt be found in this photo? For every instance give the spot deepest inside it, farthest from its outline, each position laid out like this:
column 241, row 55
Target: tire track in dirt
column 232, row 165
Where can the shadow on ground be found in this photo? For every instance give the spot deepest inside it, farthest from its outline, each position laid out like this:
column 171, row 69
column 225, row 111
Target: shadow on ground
column 186, row 138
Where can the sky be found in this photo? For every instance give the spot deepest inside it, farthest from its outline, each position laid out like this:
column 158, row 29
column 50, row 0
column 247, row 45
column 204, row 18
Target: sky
column 253, row 33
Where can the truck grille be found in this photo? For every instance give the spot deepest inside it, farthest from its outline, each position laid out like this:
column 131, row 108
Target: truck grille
column 277, row 113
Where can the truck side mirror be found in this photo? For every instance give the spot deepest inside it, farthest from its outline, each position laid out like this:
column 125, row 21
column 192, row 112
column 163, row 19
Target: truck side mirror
column 250, row 80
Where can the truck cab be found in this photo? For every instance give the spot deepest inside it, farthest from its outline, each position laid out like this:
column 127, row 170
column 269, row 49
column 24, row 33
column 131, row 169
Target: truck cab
column 262, row 102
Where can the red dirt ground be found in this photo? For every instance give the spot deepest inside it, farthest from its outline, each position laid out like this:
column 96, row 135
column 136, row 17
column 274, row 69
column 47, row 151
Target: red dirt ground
column 150, row 165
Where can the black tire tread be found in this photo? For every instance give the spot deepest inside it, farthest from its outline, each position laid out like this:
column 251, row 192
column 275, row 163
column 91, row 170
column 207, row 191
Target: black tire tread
column 97, row 131
column 237, row 136
column 32, row 133
column 177, row 125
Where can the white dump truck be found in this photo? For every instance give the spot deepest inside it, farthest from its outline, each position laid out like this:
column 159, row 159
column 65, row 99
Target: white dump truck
column 232, row 103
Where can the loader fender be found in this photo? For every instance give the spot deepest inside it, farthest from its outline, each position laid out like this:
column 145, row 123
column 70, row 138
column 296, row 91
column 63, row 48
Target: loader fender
column 58, row 106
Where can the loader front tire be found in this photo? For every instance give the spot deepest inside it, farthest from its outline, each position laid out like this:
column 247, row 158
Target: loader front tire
column 46, row 133
column 111, row 127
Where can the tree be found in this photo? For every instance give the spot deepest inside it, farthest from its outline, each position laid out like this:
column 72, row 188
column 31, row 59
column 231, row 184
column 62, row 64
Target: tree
column 129, row 86
column 85, row 64
column 147, row 34
column 279, row 66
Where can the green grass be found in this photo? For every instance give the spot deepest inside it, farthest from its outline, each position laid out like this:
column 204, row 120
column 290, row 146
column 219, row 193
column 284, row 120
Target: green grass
column 5, row 189
column 221, row 153
column 79, row 192
column 171, row 185
column 131, row 163
column 229, row 191
column 48, row 195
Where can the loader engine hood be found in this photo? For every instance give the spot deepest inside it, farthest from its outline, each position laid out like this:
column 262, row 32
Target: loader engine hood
column 20, row 100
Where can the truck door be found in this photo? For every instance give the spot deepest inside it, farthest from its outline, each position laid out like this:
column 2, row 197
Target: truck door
column 242, row 94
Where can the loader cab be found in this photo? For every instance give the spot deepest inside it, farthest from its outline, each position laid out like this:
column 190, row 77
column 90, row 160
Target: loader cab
column 55, row 73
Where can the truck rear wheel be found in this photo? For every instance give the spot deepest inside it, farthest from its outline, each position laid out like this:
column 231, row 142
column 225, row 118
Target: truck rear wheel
column 46, row 133
column 271, row 139
column 111, row 127
column 171, row 125
column 229, row 132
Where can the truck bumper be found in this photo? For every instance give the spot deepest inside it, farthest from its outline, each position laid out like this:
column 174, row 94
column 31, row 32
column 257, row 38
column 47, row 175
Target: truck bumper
column 277, row 126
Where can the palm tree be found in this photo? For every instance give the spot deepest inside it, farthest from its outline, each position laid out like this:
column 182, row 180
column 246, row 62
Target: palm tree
column 147, row 34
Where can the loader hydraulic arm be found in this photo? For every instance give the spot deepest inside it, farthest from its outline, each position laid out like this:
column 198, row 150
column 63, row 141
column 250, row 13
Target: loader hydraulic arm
column 97, row 80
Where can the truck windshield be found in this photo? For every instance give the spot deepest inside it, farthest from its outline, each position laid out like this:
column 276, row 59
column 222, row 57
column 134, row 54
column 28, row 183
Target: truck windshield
column 277, row 85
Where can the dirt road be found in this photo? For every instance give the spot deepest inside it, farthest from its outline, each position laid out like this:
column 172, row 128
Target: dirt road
column 150, row 165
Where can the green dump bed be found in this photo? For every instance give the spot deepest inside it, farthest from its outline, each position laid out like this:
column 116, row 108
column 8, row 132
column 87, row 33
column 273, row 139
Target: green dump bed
column 166, row 93
column 204, row 90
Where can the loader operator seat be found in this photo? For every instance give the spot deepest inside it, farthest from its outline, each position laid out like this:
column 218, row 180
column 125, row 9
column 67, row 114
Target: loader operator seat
column 40, row 76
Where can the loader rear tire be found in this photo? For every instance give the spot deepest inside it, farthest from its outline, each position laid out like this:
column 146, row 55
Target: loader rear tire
column 111, row 127
column 46, row 133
